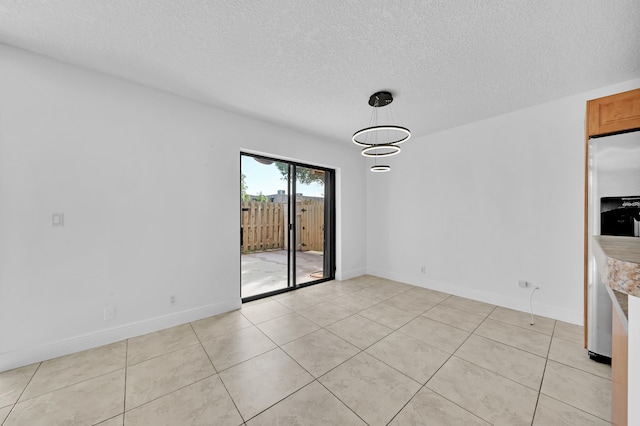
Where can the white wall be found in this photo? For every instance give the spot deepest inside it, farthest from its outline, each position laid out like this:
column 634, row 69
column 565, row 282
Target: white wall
column 145, row 180
column 149, row 187
column 487, row 204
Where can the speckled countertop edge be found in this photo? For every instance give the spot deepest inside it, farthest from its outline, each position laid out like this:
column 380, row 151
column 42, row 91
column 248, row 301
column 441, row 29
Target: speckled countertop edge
column 618, row 261
column 620, row 302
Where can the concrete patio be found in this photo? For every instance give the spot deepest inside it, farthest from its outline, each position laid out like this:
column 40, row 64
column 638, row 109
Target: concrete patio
column 267, row 271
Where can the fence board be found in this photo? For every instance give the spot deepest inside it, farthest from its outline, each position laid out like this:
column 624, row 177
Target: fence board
column 312, row 225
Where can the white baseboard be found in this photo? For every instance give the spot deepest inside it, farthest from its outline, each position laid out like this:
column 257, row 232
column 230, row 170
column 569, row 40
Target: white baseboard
column 483, row 296
column 346, row 275
column 26, row 356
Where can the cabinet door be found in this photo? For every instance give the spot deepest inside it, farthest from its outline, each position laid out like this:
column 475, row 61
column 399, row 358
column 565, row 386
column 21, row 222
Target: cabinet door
column 615, row 113
column 619, row 370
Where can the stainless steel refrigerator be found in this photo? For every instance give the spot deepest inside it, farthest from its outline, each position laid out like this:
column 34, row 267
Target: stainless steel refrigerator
column 613, row 209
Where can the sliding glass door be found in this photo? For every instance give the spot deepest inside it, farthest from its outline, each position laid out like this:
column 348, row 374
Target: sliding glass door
column 287, row 225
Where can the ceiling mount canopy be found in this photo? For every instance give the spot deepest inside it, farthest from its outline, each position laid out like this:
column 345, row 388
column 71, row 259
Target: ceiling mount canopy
column 380, row 99
column 381, row 140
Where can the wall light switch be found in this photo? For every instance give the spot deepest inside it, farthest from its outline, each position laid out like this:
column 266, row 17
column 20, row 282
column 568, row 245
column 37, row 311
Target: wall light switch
column 109, row 313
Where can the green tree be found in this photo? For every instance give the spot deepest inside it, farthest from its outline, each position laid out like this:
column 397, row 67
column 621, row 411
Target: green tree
column 304, row 175
column 261, row 198
column 243, row 188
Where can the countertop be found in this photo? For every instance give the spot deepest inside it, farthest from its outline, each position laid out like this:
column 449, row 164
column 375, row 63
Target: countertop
column 618, row 260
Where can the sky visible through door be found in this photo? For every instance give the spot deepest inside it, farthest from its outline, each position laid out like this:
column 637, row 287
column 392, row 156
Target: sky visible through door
column 268, row 180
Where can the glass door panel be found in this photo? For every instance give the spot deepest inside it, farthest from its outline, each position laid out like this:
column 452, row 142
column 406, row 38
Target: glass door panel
column 309, row 225
column 264, row 232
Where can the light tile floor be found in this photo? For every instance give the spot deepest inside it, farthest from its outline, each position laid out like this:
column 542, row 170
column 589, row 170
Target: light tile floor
column 363, row 351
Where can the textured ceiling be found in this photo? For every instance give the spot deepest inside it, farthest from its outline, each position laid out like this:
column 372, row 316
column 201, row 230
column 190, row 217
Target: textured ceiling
column 312, row 64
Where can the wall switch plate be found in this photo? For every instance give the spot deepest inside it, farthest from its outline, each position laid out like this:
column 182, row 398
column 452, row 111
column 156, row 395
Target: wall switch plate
column 57, row 219
column 523, row 284
column 109, row 313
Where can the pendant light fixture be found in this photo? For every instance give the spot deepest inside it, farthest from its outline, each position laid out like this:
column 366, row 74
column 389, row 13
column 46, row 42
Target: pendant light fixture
column 380, row 168
column 381, row 140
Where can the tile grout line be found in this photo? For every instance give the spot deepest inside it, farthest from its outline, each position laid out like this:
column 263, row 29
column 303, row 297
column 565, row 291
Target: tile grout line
column 22, row 393
column 414, row 380
column 316, row 379
column 569, row 366
column 70, row 385
column 126, row 371
column 423, row 386
column 450, row 325
column 573, row 367
column 341, row 401
column 499, row 374
column 487, row 316
column 166, row 394
column 278, row 402
column 377, row 341
column 397, row 330
column 393, row 331
column 511, row 346
column 524, row 328
column 294, row 360
column 110, row 418
column 277, row 346
column 577, row 409
column 325, row 299
column 162, row 354
column 544, row 372
column 28, row 383
column 514, row 347
column 159, row 332
column 217, row 373
column 452, row 355
column 472, row 333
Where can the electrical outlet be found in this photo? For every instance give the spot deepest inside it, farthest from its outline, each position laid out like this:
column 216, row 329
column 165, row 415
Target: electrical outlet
column 172, row 299
column 423, row 269
column 109, row 313
column 523, row 284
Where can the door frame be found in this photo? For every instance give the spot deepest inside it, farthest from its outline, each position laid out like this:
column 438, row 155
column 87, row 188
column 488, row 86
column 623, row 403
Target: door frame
column 329, row 253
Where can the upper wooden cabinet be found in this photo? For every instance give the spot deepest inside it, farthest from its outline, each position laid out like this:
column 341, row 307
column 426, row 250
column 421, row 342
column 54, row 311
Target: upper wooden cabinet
column 615, row 113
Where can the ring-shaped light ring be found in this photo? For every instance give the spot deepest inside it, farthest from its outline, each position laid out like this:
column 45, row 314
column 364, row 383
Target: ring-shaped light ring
column 395, row 149
column 379, row 168
column 380, row 128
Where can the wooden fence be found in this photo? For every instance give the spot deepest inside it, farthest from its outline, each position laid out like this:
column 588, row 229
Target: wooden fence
column 310, row 229
column 264, row 226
